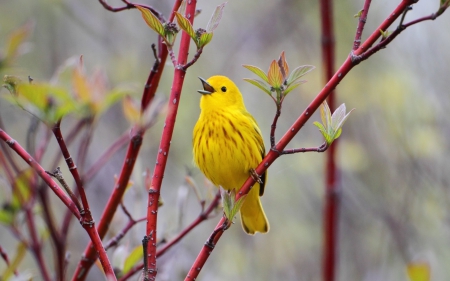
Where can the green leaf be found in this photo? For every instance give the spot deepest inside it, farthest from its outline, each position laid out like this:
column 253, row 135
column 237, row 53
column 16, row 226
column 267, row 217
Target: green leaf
column 321, row 128
column 274, row 75
column 292, row 86
column 325, row 115
column 16, row 261
column 6, row 216
column 237, row 206
column 113, row 97
column 259, row 84
column 133, row 258
column 205, row 38
column 299, row 72
column 227, row 204
column 17, row 38
column 337, row 134
column 152, row 21
column 36, row 94
column 230, row 206
column 258, row 71
column 215, row 18
column 22, row 189
column 337, row 116
column 186, row 25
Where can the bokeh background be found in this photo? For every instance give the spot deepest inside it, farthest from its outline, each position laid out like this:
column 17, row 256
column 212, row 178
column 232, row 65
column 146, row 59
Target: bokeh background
column 393, row 154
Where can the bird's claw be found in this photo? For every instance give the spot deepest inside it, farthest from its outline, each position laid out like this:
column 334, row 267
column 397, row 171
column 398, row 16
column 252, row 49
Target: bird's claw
column 255, row 176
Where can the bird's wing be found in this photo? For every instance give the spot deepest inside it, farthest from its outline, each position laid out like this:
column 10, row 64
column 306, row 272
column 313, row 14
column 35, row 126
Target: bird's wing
column 262, row 149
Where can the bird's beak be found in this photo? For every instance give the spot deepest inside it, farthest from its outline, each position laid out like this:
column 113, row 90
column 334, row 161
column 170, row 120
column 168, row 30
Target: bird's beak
column 207, row 89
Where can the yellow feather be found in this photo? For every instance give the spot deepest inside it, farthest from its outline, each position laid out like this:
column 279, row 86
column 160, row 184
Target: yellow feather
column 227, row 143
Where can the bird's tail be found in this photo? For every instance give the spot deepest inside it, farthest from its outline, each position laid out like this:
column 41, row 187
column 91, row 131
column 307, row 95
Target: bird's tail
column 253, row 218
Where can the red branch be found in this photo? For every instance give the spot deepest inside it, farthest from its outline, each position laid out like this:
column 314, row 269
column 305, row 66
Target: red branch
column 161, row 160
column 40, row 171
column 292, row 131
column 150, row 88
column 204, row 215
column 361, row 23
column 331, row 206
column 87, row 221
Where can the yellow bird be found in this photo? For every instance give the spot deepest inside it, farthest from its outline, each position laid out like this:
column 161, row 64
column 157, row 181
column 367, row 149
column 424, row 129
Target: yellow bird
column 228, row 145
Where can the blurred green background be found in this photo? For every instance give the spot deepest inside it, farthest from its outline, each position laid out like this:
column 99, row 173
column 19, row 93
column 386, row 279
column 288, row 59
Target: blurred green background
column 393, row 153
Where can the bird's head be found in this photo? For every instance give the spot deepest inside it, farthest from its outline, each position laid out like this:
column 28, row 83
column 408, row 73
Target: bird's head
column 220, row 92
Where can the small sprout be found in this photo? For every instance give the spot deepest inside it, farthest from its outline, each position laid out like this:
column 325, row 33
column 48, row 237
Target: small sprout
column 278, row 79
column 201, row 36
column 384, row 34
column 331, row 128
column 11, row 83
column 358, row 15
column 230, row 206
column 205, row 38
column 170, row 31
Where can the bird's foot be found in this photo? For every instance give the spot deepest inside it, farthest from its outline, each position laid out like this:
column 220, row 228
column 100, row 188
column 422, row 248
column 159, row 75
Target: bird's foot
column 255, row 176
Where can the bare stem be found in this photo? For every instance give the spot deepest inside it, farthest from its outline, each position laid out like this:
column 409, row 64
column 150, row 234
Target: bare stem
column 361, row 24
column 204, row 215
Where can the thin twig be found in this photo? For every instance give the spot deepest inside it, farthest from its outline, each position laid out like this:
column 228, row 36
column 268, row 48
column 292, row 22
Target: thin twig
column 204, row 215
column 274, row 125
column 194, row 59
column 4, row 256
column 361, row 23
column 129, row 6
column 57, row 174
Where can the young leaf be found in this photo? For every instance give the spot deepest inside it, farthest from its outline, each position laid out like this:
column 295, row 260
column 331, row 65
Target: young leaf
column 325, row 114
column 35, row 94
column 131, row 110
column 186, row 25
column 81, row 86
column 259, row 84
column 205, row 38
column 6, row 216
column 230, row 206
column 258, row 71
column 20, row 253
column 299, row 72
column 215, row 18
column 237, row 206
column 133, row 258
column 152, row 21
column 284, row 67
column 227, row 203
column 17, row 38
column 182, row 8
column 111, row 98
column 11, row 83
column 292, row 86
column 274, row 75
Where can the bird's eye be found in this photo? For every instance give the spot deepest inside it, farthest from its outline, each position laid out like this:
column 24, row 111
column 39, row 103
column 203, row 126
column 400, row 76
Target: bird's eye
column 224, row 89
